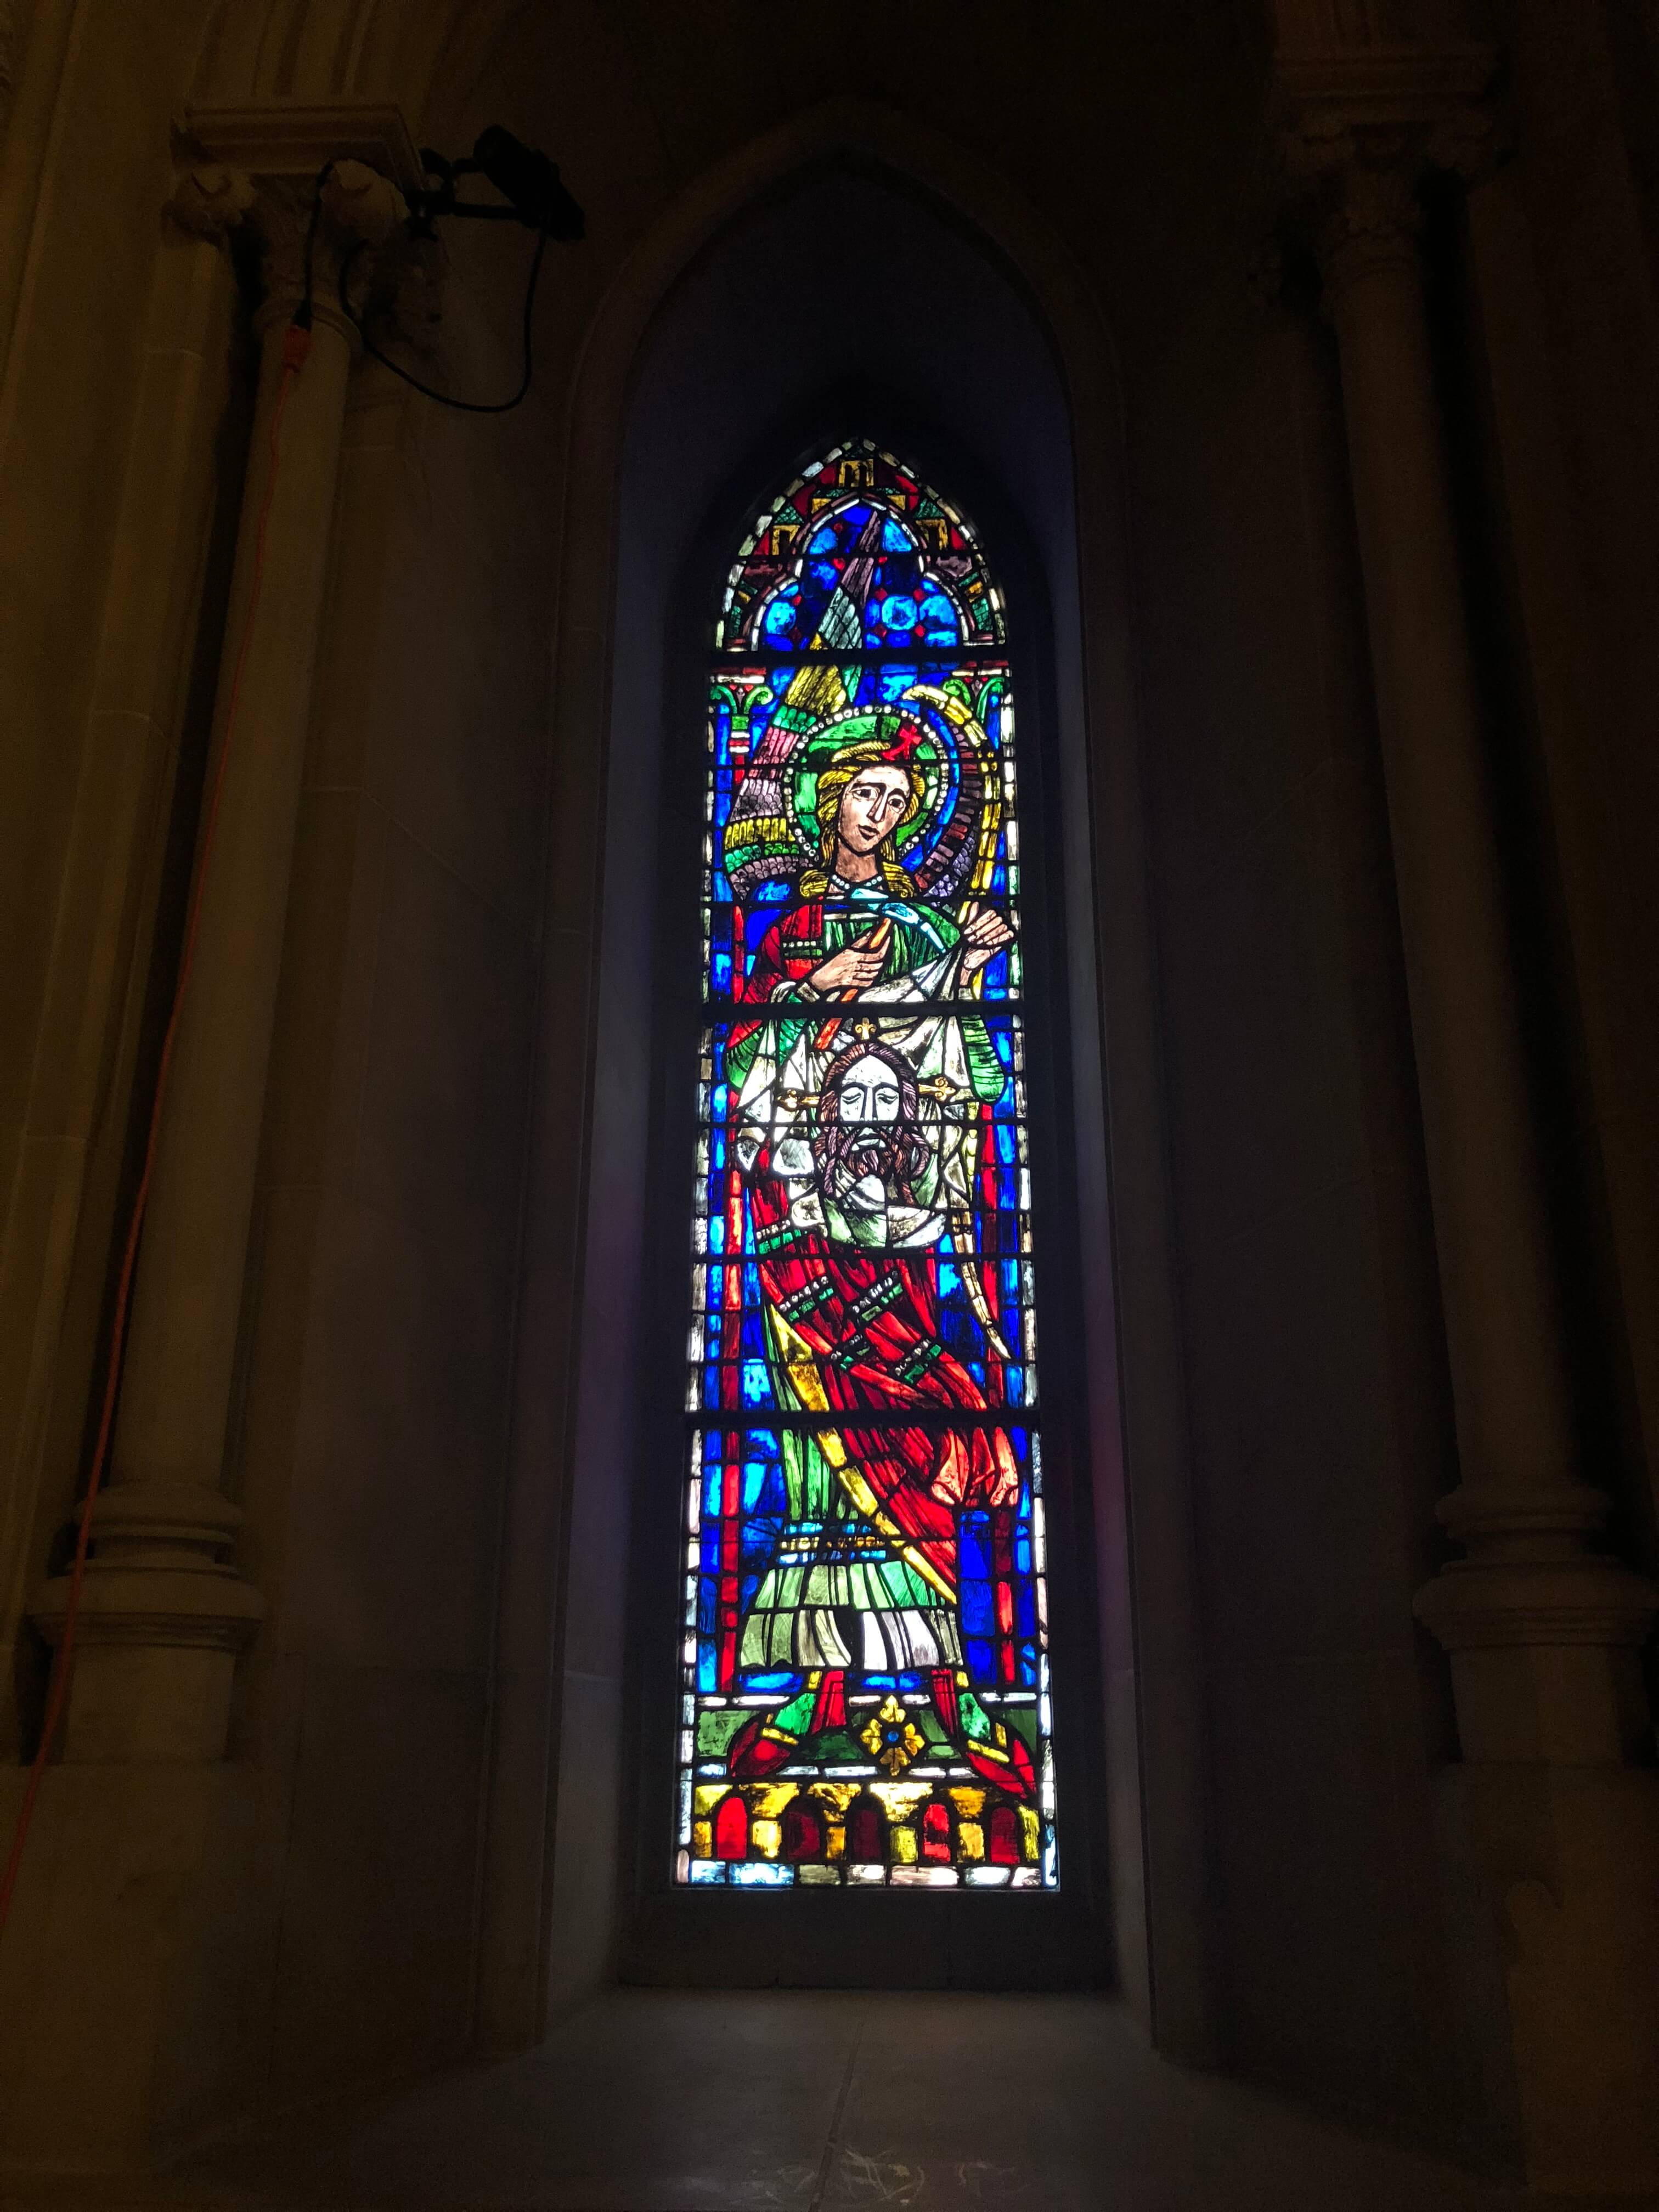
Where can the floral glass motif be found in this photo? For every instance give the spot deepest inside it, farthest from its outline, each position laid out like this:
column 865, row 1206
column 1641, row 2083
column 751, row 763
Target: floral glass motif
column 864, row 1691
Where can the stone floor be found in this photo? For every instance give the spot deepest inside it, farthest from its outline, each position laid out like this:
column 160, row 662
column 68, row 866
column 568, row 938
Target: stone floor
column 718, row 2102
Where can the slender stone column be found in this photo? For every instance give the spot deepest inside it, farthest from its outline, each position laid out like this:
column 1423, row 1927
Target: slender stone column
column 163, row 1611
column 1543, row 1631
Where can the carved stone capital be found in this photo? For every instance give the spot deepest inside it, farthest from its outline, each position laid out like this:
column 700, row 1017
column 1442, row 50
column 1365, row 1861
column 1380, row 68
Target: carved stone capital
column 309, row 231
column 322, row 185
column 397, row 290
column 209, row 200
column 1379, row 87
column 1360, row 129
column 1470, row 142
column 1372, row 216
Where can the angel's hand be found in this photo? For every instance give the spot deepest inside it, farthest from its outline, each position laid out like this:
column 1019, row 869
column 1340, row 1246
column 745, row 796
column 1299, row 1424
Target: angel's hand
column 984, row 932
column 983, row 927
column 850, row 970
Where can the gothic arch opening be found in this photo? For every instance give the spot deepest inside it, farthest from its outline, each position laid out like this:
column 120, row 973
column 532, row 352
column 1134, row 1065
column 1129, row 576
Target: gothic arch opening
column 843, row 286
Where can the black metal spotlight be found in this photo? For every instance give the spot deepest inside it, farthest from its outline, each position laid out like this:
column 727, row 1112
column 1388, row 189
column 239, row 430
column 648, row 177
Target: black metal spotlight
column 527, row 180
column 525, row 177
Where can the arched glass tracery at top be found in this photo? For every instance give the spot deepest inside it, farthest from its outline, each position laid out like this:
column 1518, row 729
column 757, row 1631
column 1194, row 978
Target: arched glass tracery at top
column 865, row 1693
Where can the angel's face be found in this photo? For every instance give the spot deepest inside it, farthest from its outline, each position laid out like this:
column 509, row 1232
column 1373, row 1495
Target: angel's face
column 872, row 807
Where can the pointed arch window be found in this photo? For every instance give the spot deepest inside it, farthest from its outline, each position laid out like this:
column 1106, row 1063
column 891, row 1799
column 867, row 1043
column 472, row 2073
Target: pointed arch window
column 865, row 1695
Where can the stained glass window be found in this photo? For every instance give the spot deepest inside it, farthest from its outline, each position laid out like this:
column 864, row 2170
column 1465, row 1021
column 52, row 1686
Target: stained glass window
column 865, row 1689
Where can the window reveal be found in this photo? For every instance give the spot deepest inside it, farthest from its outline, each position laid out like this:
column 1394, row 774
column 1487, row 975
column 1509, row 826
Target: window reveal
column 865, row 1694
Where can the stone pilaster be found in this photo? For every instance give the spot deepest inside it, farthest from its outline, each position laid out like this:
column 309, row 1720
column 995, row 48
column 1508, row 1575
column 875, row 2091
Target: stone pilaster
column 163, row 1611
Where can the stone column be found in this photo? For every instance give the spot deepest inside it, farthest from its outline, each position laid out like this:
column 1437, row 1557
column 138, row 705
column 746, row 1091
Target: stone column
column 1527, row 1690
column 163, row 1612
column 1543, row 1631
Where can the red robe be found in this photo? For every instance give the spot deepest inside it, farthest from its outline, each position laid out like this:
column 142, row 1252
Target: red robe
column 871, row 1320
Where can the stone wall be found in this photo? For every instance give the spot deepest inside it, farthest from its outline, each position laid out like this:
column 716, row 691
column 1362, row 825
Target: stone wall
column 368, row 1882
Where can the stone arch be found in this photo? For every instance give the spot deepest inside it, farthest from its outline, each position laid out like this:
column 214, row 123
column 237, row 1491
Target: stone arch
column 1157, row 1816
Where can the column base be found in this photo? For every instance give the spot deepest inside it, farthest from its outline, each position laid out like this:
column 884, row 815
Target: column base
column 1552, row 1826
column 125, row 2033
column 1567, row 1861
column 163, row 1615
column 1543, row 1633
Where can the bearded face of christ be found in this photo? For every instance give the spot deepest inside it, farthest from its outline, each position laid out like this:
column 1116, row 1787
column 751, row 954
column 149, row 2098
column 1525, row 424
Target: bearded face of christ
column 871, row 1093
column 867, row 1118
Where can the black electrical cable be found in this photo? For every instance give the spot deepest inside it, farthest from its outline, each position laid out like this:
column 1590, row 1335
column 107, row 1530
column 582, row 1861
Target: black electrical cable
column 445, row 399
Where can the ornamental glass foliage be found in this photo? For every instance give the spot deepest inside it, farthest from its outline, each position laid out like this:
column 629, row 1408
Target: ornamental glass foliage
column 865, row 1692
